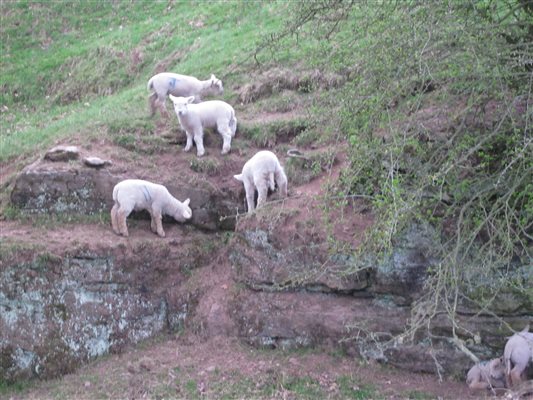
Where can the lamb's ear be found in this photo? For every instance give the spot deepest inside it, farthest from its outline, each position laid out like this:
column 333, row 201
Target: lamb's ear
column 190, row 99
column 238, row 177
column 213, row 78
column 172, row 98
column 186, row 202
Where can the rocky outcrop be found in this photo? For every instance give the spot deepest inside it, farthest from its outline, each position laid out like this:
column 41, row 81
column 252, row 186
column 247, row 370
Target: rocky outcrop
column 62, row 153
column 58, row 311
column 75, row 188
column 63, row 188
column 274, row 282
column 300, row 295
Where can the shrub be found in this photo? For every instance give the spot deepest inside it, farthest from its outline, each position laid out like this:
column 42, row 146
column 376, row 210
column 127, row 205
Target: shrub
column 437, row 115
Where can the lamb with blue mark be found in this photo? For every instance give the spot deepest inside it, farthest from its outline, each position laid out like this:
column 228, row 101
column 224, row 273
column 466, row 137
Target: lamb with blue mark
column 167, row 83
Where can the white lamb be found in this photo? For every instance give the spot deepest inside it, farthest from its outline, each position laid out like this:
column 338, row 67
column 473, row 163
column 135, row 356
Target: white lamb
column 167, row 83
column 136, row 194
column 209, row 114
column 487, row 375
column 518, row 353
column 259, row 173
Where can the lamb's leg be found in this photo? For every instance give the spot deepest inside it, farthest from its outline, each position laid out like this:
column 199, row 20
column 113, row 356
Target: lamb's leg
column 519, row 358
column 281, row 180
column 478, row 385
column 161, row 104
column 114, row 222
column 152, row 101
column 188, row 145
column 121, row 221
column 262, row 188
column 158, row 223
column 153, row 222
column 225, row 132
column 199, row 140
column 162, row 107
column 515, row 376
column 250, row 193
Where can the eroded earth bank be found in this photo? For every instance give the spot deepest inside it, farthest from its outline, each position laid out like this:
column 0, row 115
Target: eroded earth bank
column 75, row 291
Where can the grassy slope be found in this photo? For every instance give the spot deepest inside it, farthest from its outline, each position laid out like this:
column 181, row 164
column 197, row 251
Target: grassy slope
column 75, row 68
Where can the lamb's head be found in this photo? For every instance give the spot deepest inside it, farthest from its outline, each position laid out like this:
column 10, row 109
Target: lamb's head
column 216, row 85
column 183, row 211
column 180, row 104
column 497, row 368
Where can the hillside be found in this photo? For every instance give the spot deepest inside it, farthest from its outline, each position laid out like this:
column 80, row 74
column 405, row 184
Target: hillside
column 405, row 241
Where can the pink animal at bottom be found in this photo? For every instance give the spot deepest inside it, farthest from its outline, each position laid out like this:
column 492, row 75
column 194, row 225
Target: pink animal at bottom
column 518, row 353
column 487, row 375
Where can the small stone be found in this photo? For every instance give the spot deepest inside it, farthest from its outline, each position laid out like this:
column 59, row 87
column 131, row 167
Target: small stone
column 131, row 368
column 87, row 384
column 96, row 162
column 146, row 364
column 62, row 153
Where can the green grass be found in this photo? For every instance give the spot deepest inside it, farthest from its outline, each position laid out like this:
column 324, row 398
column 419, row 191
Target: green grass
column 8, row 389
column 82, row 74
column 205, row 165
column 54, row 220
column 352, row 389
column 10, row 248
column 269, row 134
column 300, row 171
column 418, row 395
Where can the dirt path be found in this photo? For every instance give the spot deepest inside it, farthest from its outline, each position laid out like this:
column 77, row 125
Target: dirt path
column 186, row 367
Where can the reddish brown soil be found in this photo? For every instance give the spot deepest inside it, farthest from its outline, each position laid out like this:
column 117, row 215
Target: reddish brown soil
column 191, row 365
column 188, row 367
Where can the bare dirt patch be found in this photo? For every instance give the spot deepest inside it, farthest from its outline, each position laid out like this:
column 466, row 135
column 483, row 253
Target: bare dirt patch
column 185, row 366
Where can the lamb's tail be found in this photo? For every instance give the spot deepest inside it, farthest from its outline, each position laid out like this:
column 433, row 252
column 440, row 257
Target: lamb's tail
column 151, row 83
column 233, row 124
column 115, row 194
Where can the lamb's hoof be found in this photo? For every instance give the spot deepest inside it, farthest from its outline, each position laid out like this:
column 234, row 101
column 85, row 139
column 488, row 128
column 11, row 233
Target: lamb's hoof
column 186, row 150
column 161, row 234
column 200, row 154
column 225, row 151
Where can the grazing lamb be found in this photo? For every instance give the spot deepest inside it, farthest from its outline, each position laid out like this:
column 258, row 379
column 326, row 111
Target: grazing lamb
column 167, row 83
column 518, row 353
column 136, row 194
column 259, row 173
column 209, row 114
column 487, row 375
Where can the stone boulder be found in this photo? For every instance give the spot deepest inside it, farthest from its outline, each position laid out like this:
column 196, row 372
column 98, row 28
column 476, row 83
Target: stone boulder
column 75, row 188
column 58, row 311
column 62, row 153
column 402, row 275
column 96, row 162
column 299, row 294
